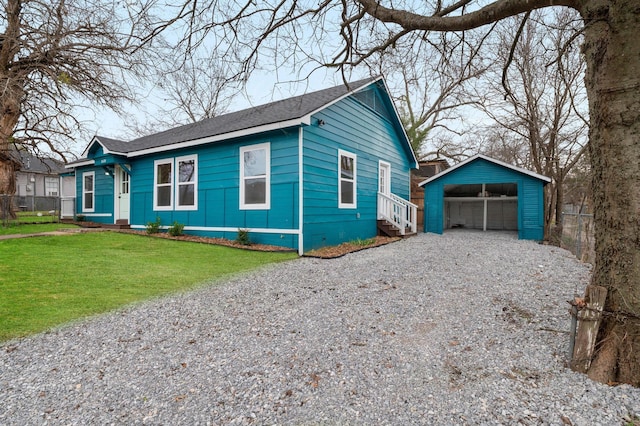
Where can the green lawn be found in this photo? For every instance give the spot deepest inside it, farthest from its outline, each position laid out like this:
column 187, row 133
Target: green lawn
column 35, row 217
column 33, row 228
column 47, row 281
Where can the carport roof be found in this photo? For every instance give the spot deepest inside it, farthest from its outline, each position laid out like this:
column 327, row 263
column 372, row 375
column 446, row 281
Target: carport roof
column 492, row 160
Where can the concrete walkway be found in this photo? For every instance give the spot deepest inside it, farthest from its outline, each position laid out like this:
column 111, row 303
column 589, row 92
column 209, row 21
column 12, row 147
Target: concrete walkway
column 69, row 231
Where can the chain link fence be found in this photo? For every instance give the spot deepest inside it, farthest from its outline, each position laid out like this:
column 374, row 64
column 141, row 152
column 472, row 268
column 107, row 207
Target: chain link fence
column 578, row 235
column 16, row 209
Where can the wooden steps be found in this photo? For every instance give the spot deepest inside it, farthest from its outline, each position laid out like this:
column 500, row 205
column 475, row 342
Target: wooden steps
column 386, row 228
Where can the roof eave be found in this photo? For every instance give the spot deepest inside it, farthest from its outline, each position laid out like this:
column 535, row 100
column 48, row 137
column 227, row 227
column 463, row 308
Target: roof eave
column 492, row 160
column 79, row 164
column 304, row 120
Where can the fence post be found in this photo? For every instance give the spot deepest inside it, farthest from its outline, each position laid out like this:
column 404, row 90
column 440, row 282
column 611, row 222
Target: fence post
column 579, row 238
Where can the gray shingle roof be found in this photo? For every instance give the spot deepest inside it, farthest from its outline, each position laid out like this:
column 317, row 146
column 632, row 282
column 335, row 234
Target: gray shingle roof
column 44, row 165
column 271, row 113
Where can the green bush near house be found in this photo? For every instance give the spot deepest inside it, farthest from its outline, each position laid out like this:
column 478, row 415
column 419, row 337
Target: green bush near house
column 48, row 281
column 176, row 229
column 153, row 227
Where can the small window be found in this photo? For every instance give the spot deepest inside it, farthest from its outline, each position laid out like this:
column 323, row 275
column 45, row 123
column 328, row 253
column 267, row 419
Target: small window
column 346, row 180
column 51, row 186
column 88, row 191
column 186, row 181
column 163, row 188
column 255, row 168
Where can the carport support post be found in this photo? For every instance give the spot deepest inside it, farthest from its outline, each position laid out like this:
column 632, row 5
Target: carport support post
column 484, row 216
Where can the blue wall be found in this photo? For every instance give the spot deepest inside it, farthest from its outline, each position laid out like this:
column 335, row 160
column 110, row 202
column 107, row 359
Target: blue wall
column 103, row 198
column 349, row 125
column 219, row 190
column 353, row 127
column 530, row 196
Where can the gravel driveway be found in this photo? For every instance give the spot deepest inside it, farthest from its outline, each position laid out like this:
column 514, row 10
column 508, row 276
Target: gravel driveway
column 460, row 328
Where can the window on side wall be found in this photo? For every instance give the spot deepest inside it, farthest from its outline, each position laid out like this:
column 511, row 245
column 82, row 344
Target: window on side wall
column 163, row 187
column 187, row 183
column 346, row 180
column 255, row 166
column 88, row 191
column 51, row 186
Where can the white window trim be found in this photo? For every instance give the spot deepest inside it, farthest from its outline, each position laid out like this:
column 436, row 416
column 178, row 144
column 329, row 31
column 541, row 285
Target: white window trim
column 342, row 205
column 156, row 163
column 92, row 192
column 267, row 204
column 194, row 183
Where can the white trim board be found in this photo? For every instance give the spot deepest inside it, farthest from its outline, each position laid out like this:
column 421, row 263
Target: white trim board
column 491, row 160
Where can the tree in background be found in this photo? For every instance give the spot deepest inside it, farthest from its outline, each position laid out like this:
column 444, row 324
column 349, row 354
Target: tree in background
column 428, row 75
column 290, row 30
column 538, row 102
column 54, row 57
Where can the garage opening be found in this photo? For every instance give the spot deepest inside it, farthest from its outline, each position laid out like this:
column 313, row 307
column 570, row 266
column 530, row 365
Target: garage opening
column 490, row 206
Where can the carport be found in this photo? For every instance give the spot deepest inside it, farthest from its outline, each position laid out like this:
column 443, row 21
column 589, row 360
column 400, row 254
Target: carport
column 486, row 194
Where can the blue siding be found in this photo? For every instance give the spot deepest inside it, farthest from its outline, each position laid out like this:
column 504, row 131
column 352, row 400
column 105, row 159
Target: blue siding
column 103, row 198
column 219, row 190
column 530, row 196
column 352, row 127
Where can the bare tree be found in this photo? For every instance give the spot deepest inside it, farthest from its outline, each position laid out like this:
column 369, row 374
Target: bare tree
column 54, row 56
column 427, row 74
column 189, row 89
column 539, row 101
column 286, row 29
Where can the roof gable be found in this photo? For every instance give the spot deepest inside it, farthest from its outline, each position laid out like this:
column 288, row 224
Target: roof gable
column 281, row 114
column 462, row 164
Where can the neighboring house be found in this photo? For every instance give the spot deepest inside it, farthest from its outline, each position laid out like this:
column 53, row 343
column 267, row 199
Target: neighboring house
column 305, row 172
column 38, row 182
column 487, row 194
column 38, row 177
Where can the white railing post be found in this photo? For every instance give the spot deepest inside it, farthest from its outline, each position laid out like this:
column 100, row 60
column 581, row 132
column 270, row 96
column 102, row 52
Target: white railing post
column 399, row 212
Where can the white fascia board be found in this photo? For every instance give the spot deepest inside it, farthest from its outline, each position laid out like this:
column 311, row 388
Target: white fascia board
column 492, row 160
column 304, row 120
column 104, row 148
column 79, row 163
column 346, row 95
column 404, row 132
column 86, row 150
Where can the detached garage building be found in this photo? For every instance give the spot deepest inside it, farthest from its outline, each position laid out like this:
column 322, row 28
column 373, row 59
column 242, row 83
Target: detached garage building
column 487, row 194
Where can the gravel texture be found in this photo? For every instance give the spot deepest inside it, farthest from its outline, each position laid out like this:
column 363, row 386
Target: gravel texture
column 462, row 328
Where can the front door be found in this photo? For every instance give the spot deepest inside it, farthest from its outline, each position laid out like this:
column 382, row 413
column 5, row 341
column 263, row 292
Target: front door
column 123, row 185
column 384, row 178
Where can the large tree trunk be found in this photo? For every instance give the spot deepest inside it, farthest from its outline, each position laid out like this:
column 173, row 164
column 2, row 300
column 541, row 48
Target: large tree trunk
column 613, row 84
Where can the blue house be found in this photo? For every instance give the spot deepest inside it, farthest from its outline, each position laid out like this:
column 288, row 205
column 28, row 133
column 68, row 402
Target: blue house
column 305, row 172
column 487, row 194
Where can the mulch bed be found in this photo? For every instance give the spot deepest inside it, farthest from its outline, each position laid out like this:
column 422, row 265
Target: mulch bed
column 322, row 253
column 332, row 252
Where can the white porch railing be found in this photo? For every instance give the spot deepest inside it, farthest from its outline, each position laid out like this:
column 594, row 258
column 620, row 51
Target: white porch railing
column 398, row 211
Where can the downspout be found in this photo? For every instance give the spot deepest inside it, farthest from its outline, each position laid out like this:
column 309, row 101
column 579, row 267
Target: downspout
column 300, row 193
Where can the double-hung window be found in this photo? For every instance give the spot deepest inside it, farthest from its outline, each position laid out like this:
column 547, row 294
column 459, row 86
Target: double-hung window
column 187, row 182
column 176, row 183
column 346, row 180
column 88, row 191
column 255, row 176
column 51, row 185
column 163, row 185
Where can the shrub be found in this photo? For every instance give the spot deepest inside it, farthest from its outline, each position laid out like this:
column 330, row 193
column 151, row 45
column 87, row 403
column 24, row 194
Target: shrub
column 176, row 229
column 80, row 218
column 153, row 227
column 243, row 237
